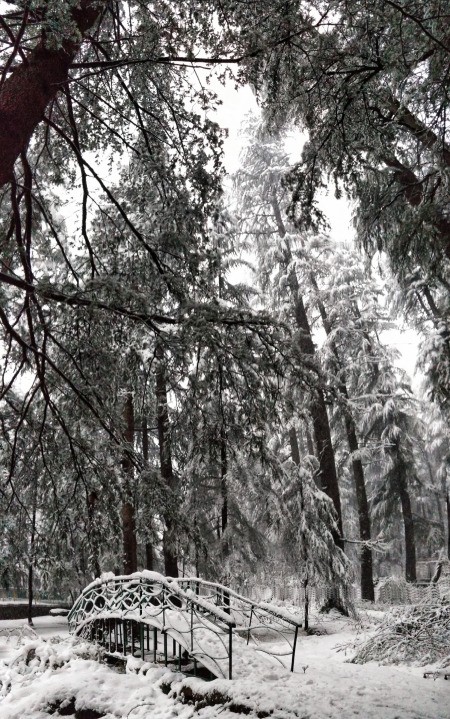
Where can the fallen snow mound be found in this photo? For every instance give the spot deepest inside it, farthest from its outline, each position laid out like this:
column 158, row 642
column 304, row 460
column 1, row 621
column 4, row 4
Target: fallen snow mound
column 418, row 634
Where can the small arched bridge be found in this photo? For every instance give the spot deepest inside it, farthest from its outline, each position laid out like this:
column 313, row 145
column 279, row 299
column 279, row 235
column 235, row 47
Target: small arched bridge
column 184, row 621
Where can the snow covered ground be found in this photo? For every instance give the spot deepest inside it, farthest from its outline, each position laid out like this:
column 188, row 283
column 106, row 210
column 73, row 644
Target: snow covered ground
column 45, row 673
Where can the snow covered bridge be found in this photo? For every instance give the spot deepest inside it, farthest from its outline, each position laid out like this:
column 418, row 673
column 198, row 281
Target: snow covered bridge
column 207, row 624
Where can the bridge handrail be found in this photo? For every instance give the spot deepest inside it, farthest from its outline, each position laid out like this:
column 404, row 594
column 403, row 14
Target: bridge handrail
column 147, row 577
column 221, row 611
column 262, row 606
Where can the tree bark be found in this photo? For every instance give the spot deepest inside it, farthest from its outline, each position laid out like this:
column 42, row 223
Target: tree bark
column 165, row 457
column 447, row 502
column 223, row 456
column 413, row 191
column 295, row 449
column 366, row 561
column 149, row 554
column 33, row 84
column 31, row 562
column 327, row 474
column 223, row 479
column 408, row 523
column 295, row 454
column 128, row 515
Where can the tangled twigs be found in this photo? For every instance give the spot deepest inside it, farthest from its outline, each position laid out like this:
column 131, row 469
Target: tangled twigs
column 419, row 633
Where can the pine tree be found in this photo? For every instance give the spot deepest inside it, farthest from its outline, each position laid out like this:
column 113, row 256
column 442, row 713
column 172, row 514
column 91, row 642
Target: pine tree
column 259, row 185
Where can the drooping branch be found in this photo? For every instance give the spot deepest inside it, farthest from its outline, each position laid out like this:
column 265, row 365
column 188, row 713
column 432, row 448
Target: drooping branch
column 413, row 190
column 31, row 87
column 427, row 137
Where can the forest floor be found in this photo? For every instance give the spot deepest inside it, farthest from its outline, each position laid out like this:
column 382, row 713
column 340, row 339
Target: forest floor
column 43, row 677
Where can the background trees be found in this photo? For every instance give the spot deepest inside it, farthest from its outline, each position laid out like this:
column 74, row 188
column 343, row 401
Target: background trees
column 142, row 387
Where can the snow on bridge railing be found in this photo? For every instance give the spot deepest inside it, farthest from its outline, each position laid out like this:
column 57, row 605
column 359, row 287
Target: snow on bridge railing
column 259, row 621
column 200, row 628
column 200, row 616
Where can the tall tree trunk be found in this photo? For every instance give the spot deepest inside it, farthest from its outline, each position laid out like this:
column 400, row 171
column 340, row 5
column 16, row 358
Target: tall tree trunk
column 223, row 457
column 128, row 515
column 408, row 523
column 31, row 87
column 295, row 454
column 165, row 457
column 223, row 479
column 32, row 553
column 92, row 532
column 366, row 560
column 447, row 502
column 321, row 426
column 149, row 554
column 295, row 449
column 309, row 440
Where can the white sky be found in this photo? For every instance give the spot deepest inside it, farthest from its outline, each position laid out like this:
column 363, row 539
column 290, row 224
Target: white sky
column 236, row 103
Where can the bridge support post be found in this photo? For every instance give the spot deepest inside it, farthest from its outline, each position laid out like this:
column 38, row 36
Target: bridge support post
column 293, row 649
column 250, row 624
column 115, row 635
column 165, row 648
column 155, row 643
column 142, row 641
column 125, row 638
column 148, row 637
column 230, row 652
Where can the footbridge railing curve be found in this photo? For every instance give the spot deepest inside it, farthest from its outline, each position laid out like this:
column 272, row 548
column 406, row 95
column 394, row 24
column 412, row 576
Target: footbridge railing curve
column 208, row 624
column 272, row 630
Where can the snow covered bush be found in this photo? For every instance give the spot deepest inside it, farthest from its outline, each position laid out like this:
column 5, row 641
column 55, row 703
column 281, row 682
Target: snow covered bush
column 394, row 590
column 419, row 634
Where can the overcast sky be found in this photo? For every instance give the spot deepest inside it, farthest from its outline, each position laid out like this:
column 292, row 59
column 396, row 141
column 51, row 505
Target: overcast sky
column 235, row 105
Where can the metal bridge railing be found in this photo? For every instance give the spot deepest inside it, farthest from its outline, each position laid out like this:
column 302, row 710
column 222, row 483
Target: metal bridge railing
column 114, row 610
column 200, row 617
column 261, row 623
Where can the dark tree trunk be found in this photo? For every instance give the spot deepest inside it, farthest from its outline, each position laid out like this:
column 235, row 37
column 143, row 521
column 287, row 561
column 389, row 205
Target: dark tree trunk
column 129, row 538
column 223, row 479
column 30, row 571
column 447, row 502
column 93, row 543
column 149, row 558
column 309, row 440
column 30, row 594
column 165, row 458
column 367, row 587
column 295, row 454
column 327, row 474
column 408, row 522
column 128, row 515
column 295, row 449
column 149, row 554
column 32, row 553
column 327, row 468
column 33, row 85
column 366, row 563
column 223, row 457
